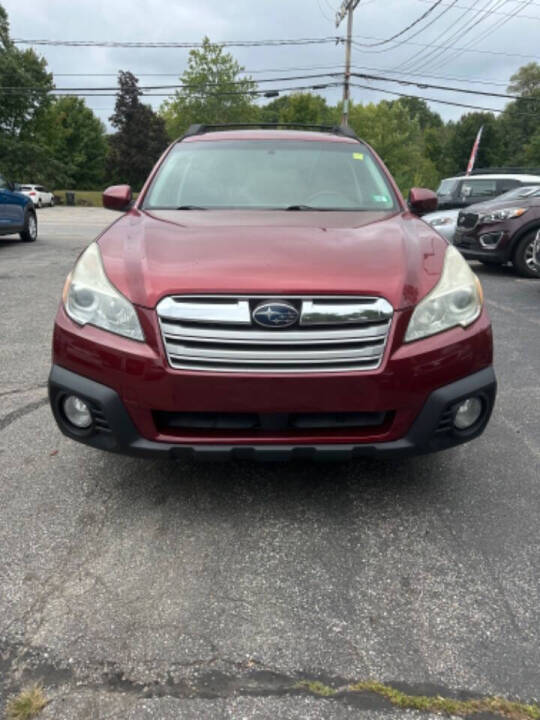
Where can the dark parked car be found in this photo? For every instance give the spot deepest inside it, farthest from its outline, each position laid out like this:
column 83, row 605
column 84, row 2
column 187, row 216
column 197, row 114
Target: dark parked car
column 482, row 185
column 271, row 294
column 502, row 231
column 17, row 213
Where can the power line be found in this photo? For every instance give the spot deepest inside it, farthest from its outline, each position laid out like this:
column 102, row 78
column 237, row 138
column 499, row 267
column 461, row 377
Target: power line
column 448, row 88
column 418, row 32
column 270, row 92
column 450, row 35
column 407, row 28
column 257, row 43
column 442, row 102
column 498, row 12
column 147, row 89
column 181, row 86
column 176, row 45
column 485, row 81
column 323, row 13
column 471, row 50
column 493, row 28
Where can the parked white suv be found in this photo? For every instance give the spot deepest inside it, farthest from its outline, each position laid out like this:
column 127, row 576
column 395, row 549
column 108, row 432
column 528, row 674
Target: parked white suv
column 38, row 194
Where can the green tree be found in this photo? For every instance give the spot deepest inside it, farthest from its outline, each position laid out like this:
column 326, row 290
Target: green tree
column 20, row 69
column 398, row 140
column 212, row 92
column 307, row 109
column 140, row 135
column 526, row 81
column 462, row 135
column 519, row 121
column 418, row 109
column 270, row 113
column 532, row 151
column 77, row 140
column 21, row 157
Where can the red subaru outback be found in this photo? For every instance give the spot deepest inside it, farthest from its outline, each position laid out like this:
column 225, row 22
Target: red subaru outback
column 270, row 294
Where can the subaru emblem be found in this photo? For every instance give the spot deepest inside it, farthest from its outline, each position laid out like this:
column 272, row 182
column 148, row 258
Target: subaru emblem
column 275, row 314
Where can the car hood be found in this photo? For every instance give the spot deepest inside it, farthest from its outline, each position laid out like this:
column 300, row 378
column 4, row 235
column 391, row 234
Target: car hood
column 491, row 206
column 148, row 255
column 452, row 214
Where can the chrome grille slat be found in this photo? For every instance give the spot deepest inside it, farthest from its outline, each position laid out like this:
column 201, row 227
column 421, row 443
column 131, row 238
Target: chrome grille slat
column 211, row 333
column 339, row 355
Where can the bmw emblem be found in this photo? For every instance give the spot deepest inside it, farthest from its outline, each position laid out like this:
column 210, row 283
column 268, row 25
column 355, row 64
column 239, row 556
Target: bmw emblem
column 275, row 314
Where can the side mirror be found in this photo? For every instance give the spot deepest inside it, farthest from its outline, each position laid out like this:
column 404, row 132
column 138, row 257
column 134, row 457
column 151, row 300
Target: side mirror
column 118, row 197
column 422, row 201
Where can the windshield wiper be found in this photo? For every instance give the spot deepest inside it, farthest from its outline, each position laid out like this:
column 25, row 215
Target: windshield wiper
column 191, row 207
column 304, row 207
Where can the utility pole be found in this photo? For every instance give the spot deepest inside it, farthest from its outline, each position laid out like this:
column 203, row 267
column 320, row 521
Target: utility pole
column 347, row 8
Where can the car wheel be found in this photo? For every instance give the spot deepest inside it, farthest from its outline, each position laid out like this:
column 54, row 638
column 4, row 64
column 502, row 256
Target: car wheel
column 29, row 234
column 39, row 203
column 523, row 256
column 51, row 204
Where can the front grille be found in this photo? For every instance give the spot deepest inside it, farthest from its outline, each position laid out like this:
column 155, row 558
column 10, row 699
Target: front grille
column 266, row 422
column 467, row 220
column 218, row 333
column 468, row 242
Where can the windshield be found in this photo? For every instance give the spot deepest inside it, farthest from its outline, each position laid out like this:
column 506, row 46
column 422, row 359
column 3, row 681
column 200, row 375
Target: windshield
column 274, row 175
column 520, row 192
column 446, row 187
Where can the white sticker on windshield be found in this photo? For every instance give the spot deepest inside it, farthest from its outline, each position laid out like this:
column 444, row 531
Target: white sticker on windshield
column 381, row 198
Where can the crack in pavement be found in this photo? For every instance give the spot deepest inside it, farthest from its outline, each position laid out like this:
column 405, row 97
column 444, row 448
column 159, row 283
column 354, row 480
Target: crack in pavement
column 21, row 412
column 223, row 678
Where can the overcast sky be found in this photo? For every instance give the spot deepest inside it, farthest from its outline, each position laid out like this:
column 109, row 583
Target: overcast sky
column 505, row 31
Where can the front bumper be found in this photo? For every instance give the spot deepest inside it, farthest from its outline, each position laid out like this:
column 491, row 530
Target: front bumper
column 114, row 430
column 469, row 245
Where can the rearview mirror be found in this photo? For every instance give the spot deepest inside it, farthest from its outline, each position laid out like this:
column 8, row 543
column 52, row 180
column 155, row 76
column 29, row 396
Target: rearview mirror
column 422, row 201
column 118, row 197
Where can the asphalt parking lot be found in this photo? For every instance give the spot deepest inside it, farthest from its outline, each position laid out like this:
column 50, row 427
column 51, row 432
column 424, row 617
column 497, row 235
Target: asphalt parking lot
column 148, row 589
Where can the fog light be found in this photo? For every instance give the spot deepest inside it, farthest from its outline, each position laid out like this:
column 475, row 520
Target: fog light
column 77, row 412
column 489, row 241
column 467, row 413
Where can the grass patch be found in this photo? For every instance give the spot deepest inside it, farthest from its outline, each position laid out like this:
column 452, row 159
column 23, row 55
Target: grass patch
column 27, row 704
column 434, row 704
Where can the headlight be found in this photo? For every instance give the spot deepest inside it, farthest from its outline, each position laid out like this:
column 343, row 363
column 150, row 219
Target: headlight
column 438, row 221
column 455, row 300
column 90, row 298
column 506, row 214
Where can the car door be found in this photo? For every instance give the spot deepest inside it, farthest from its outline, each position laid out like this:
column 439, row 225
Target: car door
column 11, row 209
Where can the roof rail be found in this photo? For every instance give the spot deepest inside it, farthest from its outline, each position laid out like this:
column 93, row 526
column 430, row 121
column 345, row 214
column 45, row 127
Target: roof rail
column 201, row 129
column 502, row 171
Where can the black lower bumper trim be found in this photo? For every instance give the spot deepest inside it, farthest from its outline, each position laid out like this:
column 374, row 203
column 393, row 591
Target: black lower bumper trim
column 121, row 436
column 493, row 256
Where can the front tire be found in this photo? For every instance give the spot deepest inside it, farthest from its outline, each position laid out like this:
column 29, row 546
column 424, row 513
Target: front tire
column 30, row 231
column 524, row 258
